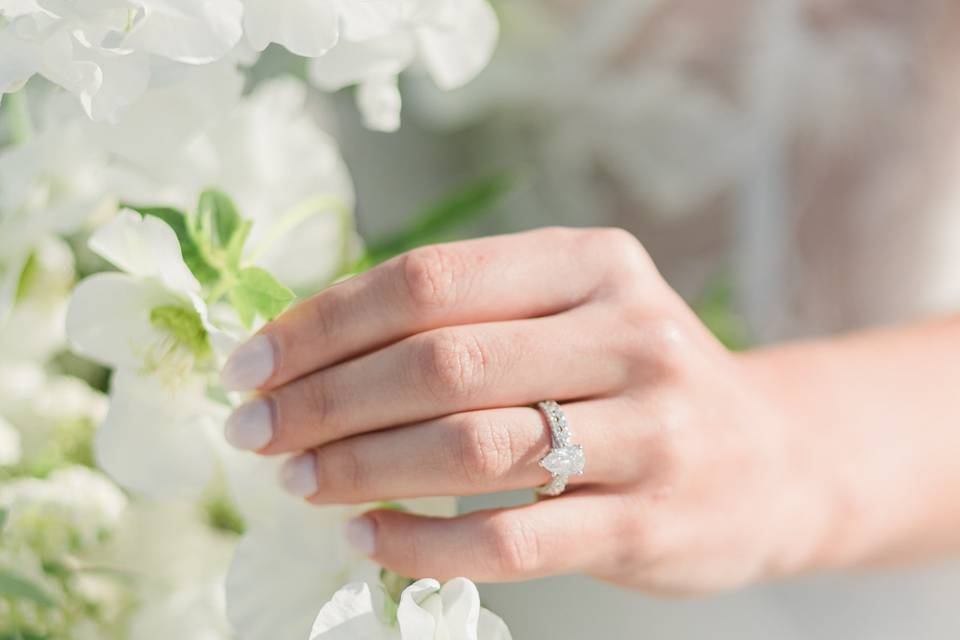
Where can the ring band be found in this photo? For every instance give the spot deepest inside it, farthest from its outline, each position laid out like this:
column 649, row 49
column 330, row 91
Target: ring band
column 565, row 458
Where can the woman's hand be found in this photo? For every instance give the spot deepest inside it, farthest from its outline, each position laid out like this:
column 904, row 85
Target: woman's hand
column 418, row 378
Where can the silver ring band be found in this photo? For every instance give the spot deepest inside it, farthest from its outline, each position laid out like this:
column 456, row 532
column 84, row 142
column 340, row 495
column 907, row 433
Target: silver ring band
column 565, row 458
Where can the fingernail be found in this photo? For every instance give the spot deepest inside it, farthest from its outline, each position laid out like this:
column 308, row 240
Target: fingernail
column 250, row 365
column 250, row 427
column 298, row 475
column 361, row 533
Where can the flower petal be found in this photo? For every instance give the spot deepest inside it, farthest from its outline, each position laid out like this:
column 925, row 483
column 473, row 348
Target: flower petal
column 352, row 62
column 380, row 103
column 108, row 318
column 187, row 30
column 353, row 612
column 461, row 608
column 155, row 441
column 307, row 29
column 144, row 246
column 420, row 611
column 457, row 43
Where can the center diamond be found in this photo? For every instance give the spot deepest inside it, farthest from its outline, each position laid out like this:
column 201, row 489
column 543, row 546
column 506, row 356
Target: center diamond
column 564, row 461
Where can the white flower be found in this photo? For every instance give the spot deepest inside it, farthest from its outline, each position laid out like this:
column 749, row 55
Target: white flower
column 148, row 319
column 293, row 554
column 158, row 441
column 427, row 611
column 9, row 444
column 284, row 173
column 452, row 39
column 69, row 511
column 104, row 51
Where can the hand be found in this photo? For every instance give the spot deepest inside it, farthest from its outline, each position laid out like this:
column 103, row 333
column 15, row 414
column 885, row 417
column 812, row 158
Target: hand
column 417, row 379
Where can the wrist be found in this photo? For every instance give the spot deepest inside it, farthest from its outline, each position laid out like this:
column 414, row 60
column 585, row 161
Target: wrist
column 818, row 516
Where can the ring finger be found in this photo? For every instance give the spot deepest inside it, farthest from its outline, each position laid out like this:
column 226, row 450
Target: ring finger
column 464, row 454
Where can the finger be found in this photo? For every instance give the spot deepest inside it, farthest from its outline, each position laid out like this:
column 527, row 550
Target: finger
column 574, row 533
column 501, row 278
column 466, row 454
column 437, row 373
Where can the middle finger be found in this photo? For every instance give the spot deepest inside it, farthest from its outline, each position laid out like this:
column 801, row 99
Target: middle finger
column 433, row 374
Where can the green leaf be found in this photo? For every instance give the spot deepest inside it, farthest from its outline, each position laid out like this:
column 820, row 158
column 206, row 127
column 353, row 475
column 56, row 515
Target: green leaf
column 193, row 255
column 16, row 587
column 3, row 517
column 457, row 208
column 257, row 293
column 218, row 214
column 27, row 277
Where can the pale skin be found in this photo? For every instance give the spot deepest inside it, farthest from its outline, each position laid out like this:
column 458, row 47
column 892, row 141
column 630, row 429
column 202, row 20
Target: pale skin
column 706, row 469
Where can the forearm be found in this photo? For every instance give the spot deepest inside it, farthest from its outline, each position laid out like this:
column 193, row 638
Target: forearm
column 878, row 417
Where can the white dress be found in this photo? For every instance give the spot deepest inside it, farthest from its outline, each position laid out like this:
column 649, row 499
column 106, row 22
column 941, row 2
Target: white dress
column 810, row 147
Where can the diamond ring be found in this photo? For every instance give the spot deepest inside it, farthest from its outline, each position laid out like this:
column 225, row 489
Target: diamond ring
column 565, row 458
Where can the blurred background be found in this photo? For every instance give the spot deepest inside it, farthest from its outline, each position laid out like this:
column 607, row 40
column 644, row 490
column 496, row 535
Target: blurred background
column 792, row 165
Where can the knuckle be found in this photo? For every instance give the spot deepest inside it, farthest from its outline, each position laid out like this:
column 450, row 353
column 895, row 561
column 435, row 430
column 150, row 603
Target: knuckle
column 484, row 452
column 454, row 363
column 514, row 546
column 659, row 345
column 317, row 398
column 647, row 543
column 430, row 275
column 340, row 471
column 622, row 248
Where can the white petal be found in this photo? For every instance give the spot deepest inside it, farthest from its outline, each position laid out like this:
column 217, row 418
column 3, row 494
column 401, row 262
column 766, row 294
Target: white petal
column 19, row 60
column 280, row 573
column 187, row 30
column 155, row 441
column 458, row 43
column 352, row 62
column 307, row 29
column 461, row 608
column 379, row 102
column 123, row 79
column 183, row 100
column 370, row 19
column 492, row 627
column 108, row 318
column 353, row 612
column 144, row 246
column 420, row 611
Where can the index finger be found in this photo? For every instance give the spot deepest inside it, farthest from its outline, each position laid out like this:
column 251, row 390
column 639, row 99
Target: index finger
column 490, row 279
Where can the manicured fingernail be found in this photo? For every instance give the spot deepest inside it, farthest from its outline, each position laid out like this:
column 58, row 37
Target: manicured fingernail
column 361, row 533
column 250, row 427
column 250, row 365
column 298, row 475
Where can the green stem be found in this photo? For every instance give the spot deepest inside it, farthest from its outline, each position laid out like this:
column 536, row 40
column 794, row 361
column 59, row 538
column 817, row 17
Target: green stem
column 17, row 108
column 223, row 286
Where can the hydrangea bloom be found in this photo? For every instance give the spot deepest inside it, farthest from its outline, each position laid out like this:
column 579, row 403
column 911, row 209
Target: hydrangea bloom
column 67, row 512
column 427, row 610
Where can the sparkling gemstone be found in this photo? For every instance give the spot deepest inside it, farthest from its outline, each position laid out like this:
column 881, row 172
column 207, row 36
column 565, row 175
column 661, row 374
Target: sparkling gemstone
column 564, row 461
